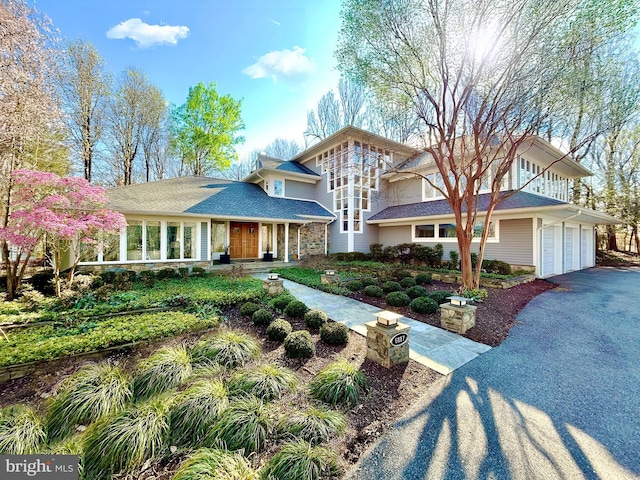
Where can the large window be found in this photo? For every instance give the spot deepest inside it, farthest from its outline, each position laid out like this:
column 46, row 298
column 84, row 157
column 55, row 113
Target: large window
column 447, row 230
column 547, row 183
column 111, row 247
column 425, row 231
column 134, row 240
column 189, row 240
column 153, row 240
column 173, row 240
column 278, row 188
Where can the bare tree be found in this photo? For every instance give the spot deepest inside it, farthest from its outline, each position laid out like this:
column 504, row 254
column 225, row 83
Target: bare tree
column 283, row 148
column 154, row 127
column 482, row 75
column 84, row 90
column 134, row 106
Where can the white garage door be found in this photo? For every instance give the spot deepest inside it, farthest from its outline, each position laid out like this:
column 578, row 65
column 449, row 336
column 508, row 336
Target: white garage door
column 586, row 248
column 548, row 251
column 568, row 249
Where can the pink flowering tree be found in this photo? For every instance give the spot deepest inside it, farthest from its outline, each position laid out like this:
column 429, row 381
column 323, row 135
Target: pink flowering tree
column 60, row 213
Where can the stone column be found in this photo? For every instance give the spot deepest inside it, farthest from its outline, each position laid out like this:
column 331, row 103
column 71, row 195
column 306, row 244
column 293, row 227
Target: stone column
column 387, row 346
column 273, row 287
column 456, row 318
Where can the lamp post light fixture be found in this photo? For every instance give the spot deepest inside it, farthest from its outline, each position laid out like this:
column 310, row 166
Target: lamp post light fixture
column 387, row 318
column 273, row 276
column 329, row 273
column 458, row 301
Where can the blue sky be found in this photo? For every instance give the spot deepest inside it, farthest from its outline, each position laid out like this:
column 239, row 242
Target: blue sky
column 275, row 55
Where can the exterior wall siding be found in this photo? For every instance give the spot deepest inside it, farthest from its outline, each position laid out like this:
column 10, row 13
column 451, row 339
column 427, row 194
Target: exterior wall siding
column 515, row 245
column 293, row 189
column 404, row 192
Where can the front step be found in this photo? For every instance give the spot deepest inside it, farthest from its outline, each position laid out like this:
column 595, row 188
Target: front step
column 250, row 267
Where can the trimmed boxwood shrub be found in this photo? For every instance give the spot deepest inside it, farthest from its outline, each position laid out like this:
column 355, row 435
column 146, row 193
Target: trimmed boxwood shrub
column 391, row 286
column 415, row 291
column 354, row 285
column 278, row 330
column 296, row 309
column 281, row 302
column 400, row 274
column 373, row 291
column 299, row 345
column 424, row 305
column 398, row 299
column 369, row 281
column 423, row 279
column 248, row 309
column 315, row 319
column 334, row 333
column 262, row 317
column 496, row 266
column 407, row 282
column 440, row 296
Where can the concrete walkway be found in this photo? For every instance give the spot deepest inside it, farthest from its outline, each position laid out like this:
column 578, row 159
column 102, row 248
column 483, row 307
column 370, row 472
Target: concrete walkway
column 559, row 399
column 433, row 347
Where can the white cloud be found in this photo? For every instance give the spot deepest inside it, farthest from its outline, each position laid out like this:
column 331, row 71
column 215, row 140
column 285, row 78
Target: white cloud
column 146, row 35
column 281, row 63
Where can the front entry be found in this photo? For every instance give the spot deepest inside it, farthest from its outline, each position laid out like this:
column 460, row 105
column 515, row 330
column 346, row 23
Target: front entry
column 243, row 240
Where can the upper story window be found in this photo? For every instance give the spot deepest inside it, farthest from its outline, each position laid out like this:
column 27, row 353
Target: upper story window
column 532, row 178
column 433, row 180
column 278, row 188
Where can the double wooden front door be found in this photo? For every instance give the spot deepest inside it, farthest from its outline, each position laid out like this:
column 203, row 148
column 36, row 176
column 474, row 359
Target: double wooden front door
column 243, row 240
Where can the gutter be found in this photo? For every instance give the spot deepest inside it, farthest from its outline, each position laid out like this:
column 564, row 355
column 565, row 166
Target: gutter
column 559, row 221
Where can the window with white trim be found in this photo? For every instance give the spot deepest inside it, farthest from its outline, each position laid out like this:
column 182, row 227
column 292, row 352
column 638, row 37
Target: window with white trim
column 447, row 231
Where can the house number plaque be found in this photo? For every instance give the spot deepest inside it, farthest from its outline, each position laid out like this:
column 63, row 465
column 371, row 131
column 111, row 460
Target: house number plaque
column 399, row 339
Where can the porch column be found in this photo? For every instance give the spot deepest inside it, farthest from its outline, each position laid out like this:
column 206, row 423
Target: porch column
column 298, row 247
column 286, row 241
column 326, row 228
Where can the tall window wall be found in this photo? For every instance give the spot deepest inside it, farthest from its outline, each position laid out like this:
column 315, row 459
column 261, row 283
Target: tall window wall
column 353, row 172
column 549, row 183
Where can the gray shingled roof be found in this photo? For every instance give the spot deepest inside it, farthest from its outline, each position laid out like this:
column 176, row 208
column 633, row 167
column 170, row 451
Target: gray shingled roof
column 441, row 207
column 210, row 196
column 296, row 167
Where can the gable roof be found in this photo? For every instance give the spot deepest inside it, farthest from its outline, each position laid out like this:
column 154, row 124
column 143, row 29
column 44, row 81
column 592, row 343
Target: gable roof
column 519, row 200
column 212, row 197
column 295, row 170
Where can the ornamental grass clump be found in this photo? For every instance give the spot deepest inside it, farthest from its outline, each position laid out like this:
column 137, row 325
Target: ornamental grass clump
column 299, row 345
column 266, row 381
column 249, row 308
column 296, row 309
column 340, row 383
column 334, row 333
column 314, row 425
column 278, row 330
column 397, row 299
column 124, row 441
column 262, row 316
column 196, row 410
column 373, row 291
column 299, row 460
column 88, row 395
column 424, row 305
column 167, row 368
column 315, row 319
column 229, row 348
column 216, row 464
column 247, row 424
column 22, row 431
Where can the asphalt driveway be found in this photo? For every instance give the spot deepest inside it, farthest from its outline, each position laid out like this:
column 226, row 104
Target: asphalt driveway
column 560, row 398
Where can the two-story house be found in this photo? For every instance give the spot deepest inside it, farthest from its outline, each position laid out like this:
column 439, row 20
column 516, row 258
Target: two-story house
column 343, row 194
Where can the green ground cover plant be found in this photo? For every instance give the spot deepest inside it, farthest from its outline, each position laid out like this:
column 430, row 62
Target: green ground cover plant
column 51, row 341
column 311, row 278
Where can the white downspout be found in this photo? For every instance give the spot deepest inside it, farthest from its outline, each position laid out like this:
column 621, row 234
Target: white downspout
column 286, row 242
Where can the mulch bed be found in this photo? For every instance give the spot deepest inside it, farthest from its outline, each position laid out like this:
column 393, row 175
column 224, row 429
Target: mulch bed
column 392, row 390
column 494, row 317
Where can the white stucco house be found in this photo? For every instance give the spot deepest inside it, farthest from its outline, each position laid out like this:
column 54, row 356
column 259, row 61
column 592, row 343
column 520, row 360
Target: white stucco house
column 340, row 195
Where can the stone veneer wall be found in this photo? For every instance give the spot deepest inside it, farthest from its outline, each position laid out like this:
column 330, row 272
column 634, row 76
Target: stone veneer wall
column 311, row 239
